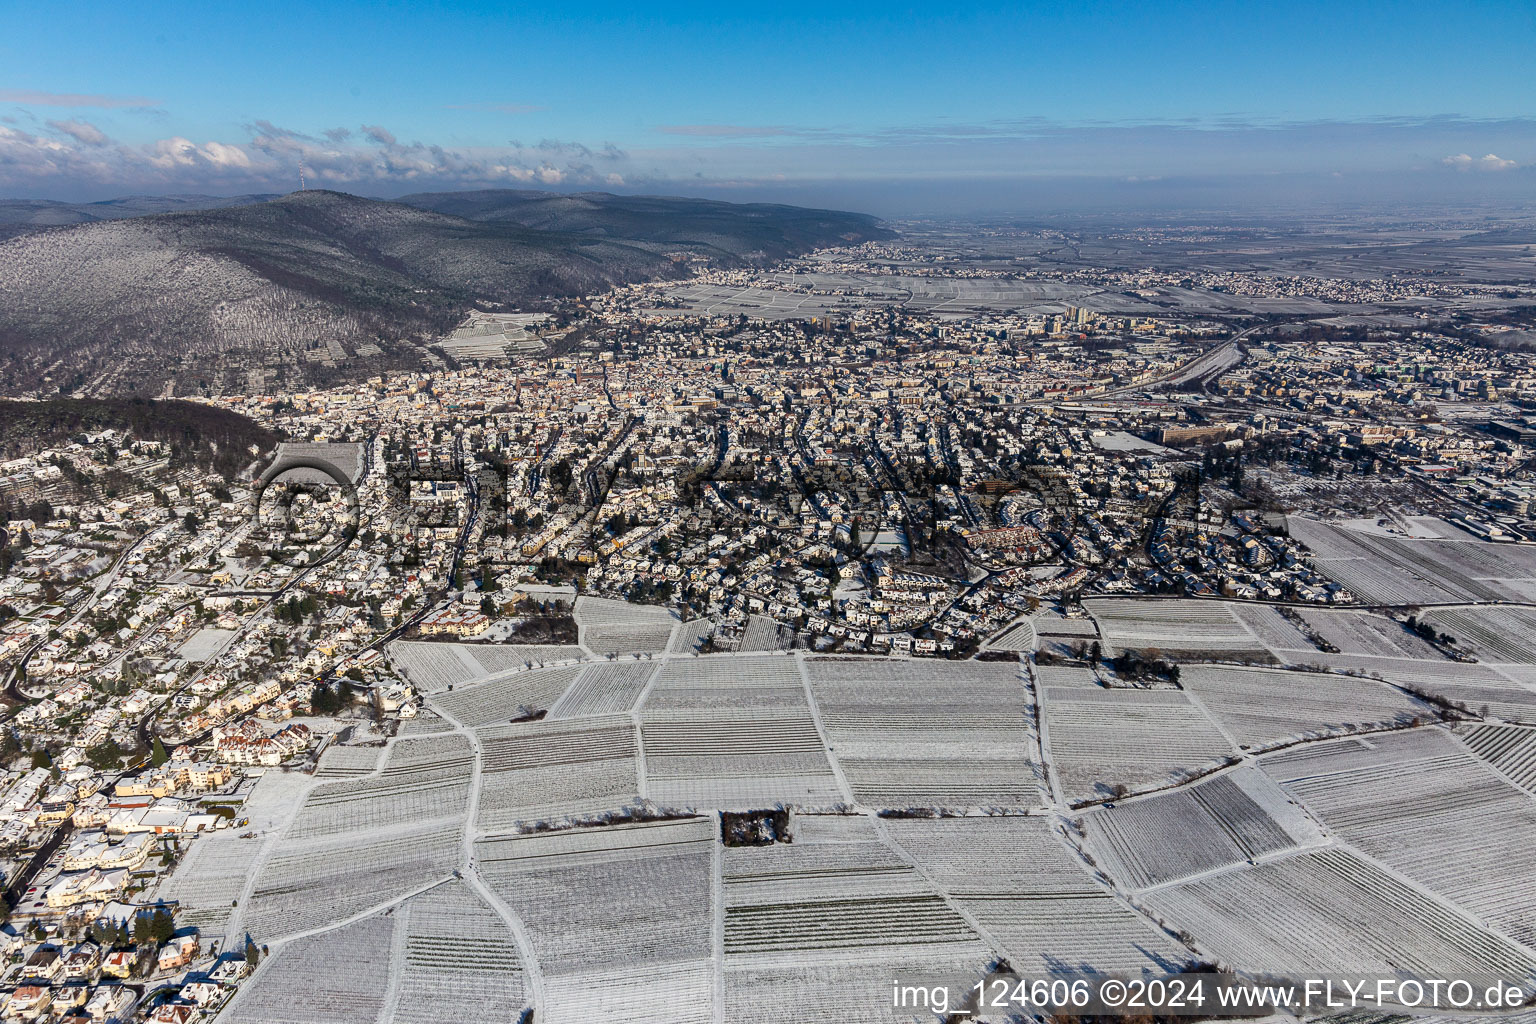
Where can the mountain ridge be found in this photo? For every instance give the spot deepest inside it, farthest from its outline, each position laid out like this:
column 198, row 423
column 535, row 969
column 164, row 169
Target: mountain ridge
column 21, row 216
column 319, row 286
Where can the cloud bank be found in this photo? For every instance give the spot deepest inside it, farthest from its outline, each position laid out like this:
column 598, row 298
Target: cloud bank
column 1490, row 162
column 79, row 157
column 64, row 156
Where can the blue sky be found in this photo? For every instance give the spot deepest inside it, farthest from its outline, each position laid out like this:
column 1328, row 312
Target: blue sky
column 986, row 106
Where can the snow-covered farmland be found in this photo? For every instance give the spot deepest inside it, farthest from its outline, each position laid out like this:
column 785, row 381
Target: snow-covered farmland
column 1191, row 630
column 734, row 732
column 341, row 762
column 605, row 688
column 395, row 798
column 495, row 658
column 617, row 627
column 813, row 929
column 1033, row 896
column 1495, row 634
column 458, row 961
column 539, row 771
column 812, row 989
column 620, row 918
column 312, row 884
column 1273, row 629
column 1328, row 913
column 506, row 697
column 690, row 635
column 928, row 733
column 1367, row 633
column 1264, row 707
column 425, row 723
column 1420, row 803
column 210, row 878
column 360, row 842
column 762, row 634
column 1018, row 637
column 837, row 889
column 1140, row 739
column 1508, row 692
column 1384, row 569
column 431, row 667
column 434, row 667
column 337, row 977
column 1080, row 677
column 1219, row 822
column 1509, row 748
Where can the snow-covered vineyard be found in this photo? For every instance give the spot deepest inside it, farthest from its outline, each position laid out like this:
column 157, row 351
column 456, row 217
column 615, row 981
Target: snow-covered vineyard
column 1316, row 790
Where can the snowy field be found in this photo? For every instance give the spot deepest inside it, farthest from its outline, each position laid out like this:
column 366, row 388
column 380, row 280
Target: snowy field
column 340, row 761
column 205, row 643
column 1500, row 635
column 434, row 667
column 209, row 879
column 1263, row 708
column 1369, row 634
column 311, row 885
column 837, row 887
column 1276, row 820
column 1328, row 913
column 910, row 734
column 1425, row 806
column 733, row 732
column 358, row 843
column 1139, row 739
column 1273, row 629
column 304, row 983
column 1509, row 748
column 505, row 697
column 1380, row 568
column 551, row 770
column 1221, row 822
column 690, row 635
column 441, row 956
column 621, row 919
column 1033, row 895
column 762, row 634
column 606, row 626
column 1195, row 630
column 1018, row 637
column 605, row 688
column 1507, row 692
column 457, row 962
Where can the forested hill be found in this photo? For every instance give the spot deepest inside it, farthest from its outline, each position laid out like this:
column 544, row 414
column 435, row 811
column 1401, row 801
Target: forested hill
column 198, row 435
column 319, row 285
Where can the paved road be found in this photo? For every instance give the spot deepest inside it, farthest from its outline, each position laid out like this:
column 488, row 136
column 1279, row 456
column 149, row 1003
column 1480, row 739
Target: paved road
column 13, row 691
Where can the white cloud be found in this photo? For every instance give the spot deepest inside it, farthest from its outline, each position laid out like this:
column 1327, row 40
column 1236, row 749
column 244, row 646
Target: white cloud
column 1489, row 162
column 378, row 133
column 221, row 155
column 80, row 131
column 76, row 152
column 179, row 152
column 73, row 156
